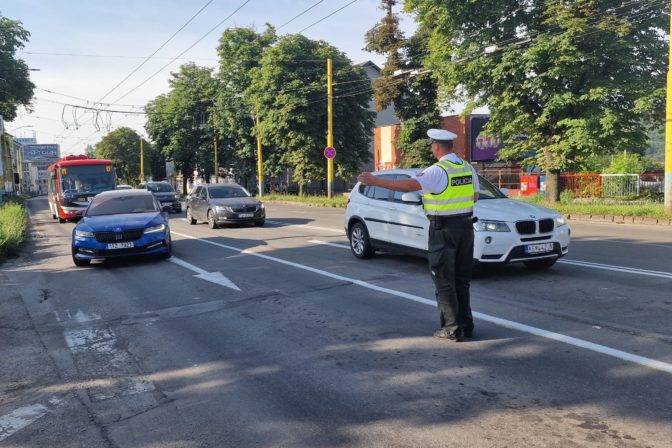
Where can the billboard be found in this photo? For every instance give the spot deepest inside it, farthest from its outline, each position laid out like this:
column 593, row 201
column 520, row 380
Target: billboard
column 31, row 152
column 26, row 140
column 484, row 147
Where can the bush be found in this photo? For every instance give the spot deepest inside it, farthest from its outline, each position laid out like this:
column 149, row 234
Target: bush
column 566, row 197
column 13, row 225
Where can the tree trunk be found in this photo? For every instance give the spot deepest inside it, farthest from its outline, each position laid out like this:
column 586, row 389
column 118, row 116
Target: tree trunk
column 553, row 186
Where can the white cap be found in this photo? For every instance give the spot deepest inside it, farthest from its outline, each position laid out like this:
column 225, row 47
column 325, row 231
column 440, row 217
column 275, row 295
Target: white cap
column 441, row 135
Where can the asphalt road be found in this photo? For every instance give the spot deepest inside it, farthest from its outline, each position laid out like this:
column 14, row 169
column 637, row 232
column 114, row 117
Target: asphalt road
column 278, row 336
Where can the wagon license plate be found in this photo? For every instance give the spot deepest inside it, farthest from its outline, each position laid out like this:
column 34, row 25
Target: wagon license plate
column 245, row 215
column 540, row 248
column 124, row 245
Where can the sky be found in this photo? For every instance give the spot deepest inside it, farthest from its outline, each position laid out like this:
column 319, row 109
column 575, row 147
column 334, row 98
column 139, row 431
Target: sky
column 80, row 49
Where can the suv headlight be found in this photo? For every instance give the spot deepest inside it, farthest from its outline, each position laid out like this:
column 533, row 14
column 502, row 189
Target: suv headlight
column 156, row 229
column 83, row 234
column 223, row 208
column 560, row 221
column 491, row 226
column 261, row 206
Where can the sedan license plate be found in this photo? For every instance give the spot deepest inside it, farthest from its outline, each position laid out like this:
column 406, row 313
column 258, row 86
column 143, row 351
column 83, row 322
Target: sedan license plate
column 245, row 215
column 124, row 245
column 541, row 248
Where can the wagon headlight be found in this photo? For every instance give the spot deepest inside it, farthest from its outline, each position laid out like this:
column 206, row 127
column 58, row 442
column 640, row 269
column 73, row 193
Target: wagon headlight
column 223, row 208
column 83, row 234
column 490, row 226
column 560, row 221
column 156, row 229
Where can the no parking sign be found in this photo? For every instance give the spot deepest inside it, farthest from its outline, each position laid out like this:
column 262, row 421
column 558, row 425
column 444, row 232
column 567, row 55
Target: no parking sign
column 329, row 152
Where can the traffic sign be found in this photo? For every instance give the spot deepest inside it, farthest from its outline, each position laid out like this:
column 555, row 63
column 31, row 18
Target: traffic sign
column 329, row 152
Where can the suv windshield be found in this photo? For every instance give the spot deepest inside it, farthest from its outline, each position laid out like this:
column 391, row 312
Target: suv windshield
column 225, row 191
column 488, row 191
column 160, row 188
column 106, row 205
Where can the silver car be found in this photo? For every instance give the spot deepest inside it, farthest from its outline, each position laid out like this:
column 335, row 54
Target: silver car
column 224, row 203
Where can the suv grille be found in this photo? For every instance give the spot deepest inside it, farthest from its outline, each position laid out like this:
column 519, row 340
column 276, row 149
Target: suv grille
column 118, row 237
column 545, row 225
column 526, row 227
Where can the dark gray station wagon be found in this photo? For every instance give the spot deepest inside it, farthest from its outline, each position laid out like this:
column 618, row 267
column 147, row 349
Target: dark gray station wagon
column 219, row 204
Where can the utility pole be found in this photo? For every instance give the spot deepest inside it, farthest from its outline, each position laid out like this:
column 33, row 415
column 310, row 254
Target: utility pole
column 216, row 163
column 330, row 133
column 668, row 132
column 142, row 162
column 260, row 172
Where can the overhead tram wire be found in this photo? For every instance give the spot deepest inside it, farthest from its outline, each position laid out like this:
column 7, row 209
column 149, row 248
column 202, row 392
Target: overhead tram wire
column 299, row 15
column 179, row 55
column 157, row 50
column 327, row 16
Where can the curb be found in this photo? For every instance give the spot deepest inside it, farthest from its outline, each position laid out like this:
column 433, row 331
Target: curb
column 616, row 219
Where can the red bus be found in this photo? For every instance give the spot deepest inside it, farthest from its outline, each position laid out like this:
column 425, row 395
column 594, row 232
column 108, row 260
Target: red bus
column 74, row 181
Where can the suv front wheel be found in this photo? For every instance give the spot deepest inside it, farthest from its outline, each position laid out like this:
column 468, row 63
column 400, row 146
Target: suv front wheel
column 360, row 244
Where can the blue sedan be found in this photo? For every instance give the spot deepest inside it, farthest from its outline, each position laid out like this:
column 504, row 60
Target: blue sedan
column 121, row 223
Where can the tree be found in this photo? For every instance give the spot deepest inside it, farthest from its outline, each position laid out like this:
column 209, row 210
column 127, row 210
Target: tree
column 239, row 51
column 413, row 93
column 122, row 147
column 178, row 122
column 16, row 89
column 576, row 78
column 289, row 92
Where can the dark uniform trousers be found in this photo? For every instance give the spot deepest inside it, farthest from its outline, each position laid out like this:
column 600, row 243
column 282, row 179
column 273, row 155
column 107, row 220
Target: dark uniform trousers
column 451, row 249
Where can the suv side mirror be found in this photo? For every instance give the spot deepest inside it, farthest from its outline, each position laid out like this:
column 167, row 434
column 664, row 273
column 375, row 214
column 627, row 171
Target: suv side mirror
column 411, row 197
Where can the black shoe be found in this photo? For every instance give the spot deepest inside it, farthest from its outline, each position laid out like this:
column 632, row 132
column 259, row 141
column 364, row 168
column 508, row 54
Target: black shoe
column 468, row 333
column 442, row 333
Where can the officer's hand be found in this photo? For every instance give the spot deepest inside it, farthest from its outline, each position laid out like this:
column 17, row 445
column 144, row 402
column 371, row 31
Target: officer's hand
column 366, row 178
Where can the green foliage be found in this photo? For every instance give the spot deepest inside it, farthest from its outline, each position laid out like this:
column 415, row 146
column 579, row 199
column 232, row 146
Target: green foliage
column 16, row 89
column 239, row 51
column 13, row 224
column 179, row 122
column 566, row 197
column 577, row 77
column 288, row 91
column 626, row 163
column 122, row 147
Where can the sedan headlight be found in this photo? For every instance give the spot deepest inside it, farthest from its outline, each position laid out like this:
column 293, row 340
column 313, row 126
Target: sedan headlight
column 223, row 208
column 560, row 221
column 83, row 234
column 156, row 229
column 261, row 206
column 491, row 226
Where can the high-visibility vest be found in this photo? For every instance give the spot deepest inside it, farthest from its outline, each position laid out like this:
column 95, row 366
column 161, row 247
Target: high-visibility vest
column 458, row 197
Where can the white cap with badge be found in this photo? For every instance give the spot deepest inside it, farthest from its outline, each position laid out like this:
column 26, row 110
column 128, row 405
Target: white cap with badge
column 441, row 135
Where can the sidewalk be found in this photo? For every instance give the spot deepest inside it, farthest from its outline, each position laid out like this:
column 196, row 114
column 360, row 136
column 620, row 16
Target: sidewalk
column 615, row 219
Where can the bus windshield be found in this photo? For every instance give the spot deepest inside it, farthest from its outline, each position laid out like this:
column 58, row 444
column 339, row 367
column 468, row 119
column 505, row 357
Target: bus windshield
column 86, row 179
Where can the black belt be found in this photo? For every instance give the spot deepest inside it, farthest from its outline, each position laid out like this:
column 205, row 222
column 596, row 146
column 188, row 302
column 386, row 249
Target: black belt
column 441, row 218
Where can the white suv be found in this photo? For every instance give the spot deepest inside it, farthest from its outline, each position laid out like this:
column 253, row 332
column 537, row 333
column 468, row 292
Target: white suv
column 506, row 230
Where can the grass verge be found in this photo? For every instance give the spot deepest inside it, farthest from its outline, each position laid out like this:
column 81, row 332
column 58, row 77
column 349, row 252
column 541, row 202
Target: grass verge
column 13, row 224
column 566, row 207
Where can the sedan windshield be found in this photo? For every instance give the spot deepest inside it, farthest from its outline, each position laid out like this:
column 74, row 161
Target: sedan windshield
column 221, row 192
column 160, row 188
column 105, row 205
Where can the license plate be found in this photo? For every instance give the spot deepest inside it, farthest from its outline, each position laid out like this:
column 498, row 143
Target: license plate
column 124, row 245
column 539, row 248
column 245, row 215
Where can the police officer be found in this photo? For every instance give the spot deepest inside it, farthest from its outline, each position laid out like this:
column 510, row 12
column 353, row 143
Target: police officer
column 450, row 189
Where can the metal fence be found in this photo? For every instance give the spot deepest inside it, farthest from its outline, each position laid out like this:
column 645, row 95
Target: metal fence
column 612, row 185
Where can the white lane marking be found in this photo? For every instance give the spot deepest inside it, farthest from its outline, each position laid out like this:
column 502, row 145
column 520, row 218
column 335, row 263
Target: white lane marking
column 22, row 417
column 646, row 362
column 609, row 267
column 214, row 277
column 289, row 224
column 324, row 243
column 586, row 264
